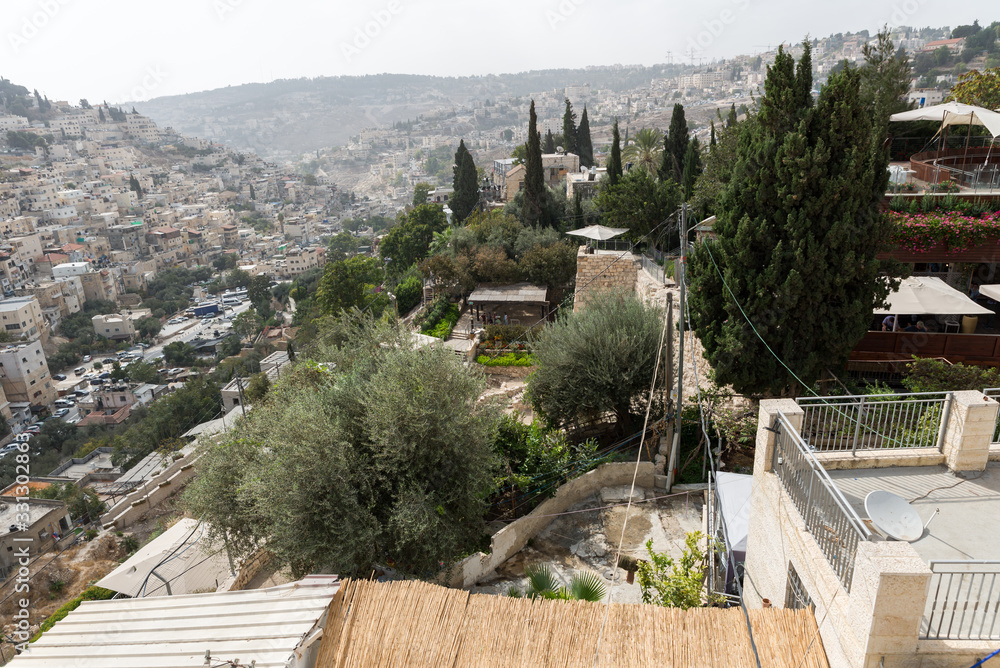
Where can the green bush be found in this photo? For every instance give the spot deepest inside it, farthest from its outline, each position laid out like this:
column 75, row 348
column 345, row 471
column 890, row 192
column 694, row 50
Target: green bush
column 507, row 359
column 441, row 319
column 89, row 594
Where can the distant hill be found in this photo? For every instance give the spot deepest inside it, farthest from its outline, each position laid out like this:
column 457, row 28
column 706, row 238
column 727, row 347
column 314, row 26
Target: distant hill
column 298, row 115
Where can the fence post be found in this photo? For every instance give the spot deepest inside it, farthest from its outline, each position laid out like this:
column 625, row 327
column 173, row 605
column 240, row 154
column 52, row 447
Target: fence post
column 943, row 427
column 857, row 428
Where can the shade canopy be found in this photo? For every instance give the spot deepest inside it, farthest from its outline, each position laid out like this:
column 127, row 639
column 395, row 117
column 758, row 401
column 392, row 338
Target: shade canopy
column 600, row 232
column 954, row 113
column 926, row 294
column 991, row 291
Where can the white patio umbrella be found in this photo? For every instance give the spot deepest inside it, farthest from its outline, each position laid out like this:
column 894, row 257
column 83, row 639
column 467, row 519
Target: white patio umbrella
column 598, row 232
column 927, row 294
column 991, row 291
column 954, row 113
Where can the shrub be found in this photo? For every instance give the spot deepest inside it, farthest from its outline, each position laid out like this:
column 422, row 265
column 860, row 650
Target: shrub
column 507, row 359
column 89, row 594
column 91, row 534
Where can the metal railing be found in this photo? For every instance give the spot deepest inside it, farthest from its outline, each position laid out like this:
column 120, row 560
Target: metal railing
column 653, row 268
column 963, row 602
column 875, row 422
column 828, row 516
column 994, row 393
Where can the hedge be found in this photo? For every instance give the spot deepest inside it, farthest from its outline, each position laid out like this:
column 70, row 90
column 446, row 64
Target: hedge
column 507, row 359
column 89, row 594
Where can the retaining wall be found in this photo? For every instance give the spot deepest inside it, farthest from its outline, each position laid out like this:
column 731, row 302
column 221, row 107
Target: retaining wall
column 155, row 494
column 152, row 483
column 509, row 540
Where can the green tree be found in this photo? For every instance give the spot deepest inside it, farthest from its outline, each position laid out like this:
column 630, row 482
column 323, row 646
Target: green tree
column 410, row 240
column 259, row 293
column 237, row 278
column 584, row 142
column 569, row 129
column 799, row 232
column 420, row 193
column 692, row 168
column 117, row 372
column 225, row 261
column 885, row 77
column 549, row 143
column 141, row 372
column 466, row 184
column 133, row 185
column 675, row 146
column 615, row 159
column 148, row 327
column 638, row 202
column 350, row 284
column 597, row 360
column 931, row 375
column 257, row 388
column 551, row 265
column 645, row 149
column 676, row 583
column 253, row 195
column 383, row 453
column 247, row 325
column 179, row 353
column 534, row 180
column 342, row 246
column 981, row 89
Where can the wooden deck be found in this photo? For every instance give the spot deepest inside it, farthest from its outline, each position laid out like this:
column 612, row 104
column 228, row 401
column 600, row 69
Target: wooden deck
column 977, row 349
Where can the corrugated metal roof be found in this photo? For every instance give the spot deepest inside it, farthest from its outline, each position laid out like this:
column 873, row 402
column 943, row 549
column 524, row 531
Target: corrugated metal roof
column 265, row 625
column 523, row 293
column 181, row 555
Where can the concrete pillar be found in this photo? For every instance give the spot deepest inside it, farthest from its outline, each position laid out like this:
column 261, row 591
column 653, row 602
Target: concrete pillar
column 969, row 430
column 886, row 603
column 767, row 419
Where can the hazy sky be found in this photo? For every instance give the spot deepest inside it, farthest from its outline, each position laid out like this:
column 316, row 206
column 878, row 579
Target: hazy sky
column 136, row 50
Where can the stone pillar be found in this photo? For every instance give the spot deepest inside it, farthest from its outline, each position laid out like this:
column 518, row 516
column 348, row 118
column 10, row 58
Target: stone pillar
column 886, row 603
column 969, row 430
column 767, row 419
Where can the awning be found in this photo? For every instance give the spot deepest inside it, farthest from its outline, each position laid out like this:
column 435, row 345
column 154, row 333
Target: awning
column 954, row 113
column 926, row 294
column 518, row 293
column 991, row 291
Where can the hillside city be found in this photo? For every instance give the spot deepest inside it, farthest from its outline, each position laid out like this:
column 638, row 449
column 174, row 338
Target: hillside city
column 704, row 347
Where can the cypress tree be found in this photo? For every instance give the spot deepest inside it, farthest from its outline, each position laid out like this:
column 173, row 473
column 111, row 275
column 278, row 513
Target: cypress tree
column 584, row 144
column 692, row 168
column 549, row 145
column 465, row 183
column 100, row 114
column 799, row 233
column 253, row 195
column 675, row 146
column 615, row 160
column 569, row 129
column 577, row 208
column 731, row 119
column 534, row 180
column 711, row 142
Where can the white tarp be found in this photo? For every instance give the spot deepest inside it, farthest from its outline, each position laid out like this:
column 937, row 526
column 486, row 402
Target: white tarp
column 600, row 232
column 991, row 291
column 954, row 113
column 927, row 294
column 734, row 501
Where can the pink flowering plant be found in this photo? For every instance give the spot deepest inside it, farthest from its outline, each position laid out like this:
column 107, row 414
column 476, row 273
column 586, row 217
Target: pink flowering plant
column 922, row 232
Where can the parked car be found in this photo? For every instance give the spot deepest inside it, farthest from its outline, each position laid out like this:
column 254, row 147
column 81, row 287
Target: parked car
column 22, row 438
column 33, row 429
column 80, row 370
column 97, row 381
column 175, row 371
column 62, row 412
column 64, row 402
column 87, row 358
column 109, row 360
column 81, row 393
column 58, row 376
column 106, row 374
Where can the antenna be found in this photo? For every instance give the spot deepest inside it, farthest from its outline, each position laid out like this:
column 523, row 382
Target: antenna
column 893, row 516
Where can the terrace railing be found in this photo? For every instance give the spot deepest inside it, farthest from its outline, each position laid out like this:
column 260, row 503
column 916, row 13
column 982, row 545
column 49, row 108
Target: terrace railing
column 963, row 602
column 826, row 513
column 653, row 268
column 875, row 422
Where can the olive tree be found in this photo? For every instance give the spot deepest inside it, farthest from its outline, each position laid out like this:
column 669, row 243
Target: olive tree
column 371, row 451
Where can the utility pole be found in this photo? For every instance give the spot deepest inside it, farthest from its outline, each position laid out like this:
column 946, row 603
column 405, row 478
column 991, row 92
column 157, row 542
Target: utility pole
column 679, row 403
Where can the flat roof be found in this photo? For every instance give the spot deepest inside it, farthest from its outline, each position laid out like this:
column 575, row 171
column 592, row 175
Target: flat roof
column 100, row 461
column 523, row 293
column 265, row 625
column 968, row 526
column 37, row 509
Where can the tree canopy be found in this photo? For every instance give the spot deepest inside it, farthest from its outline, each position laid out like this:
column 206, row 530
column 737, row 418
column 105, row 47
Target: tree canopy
column 584, row 142
column 466, row 184
column 597, row 360
column 382, row 454
column 798, row 235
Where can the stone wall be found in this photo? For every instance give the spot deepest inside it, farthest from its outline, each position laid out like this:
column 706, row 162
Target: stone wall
column 152, row 494
column 509, row 540
column 603, row 270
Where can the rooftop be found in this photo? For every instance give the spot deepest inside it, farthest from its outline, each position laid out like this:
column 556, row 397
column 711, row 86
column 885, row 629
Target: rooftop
column 959, row 496
column 37, row 509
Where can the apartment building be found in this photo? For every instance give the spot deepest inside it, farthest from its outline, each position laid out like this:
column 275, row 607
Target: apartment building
column 881, row 513
column 165, row 240
column 22, row 318
column 24, row 374
column 299, row 261
column 97, row 285
column 114, row 326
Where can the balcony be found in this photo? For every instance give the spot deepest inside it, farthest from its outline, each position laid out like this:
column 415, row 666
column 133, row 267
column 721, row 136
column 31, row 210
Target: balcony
column 936, row 599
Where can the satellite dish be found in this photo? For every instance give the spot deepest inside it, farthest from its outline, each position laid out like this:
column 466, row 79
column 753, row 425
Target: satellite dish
column 893, row 516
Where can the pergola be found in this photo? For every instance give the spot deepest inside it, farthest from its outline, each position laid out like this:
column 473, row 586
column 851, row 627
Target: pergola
column 520, row 300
